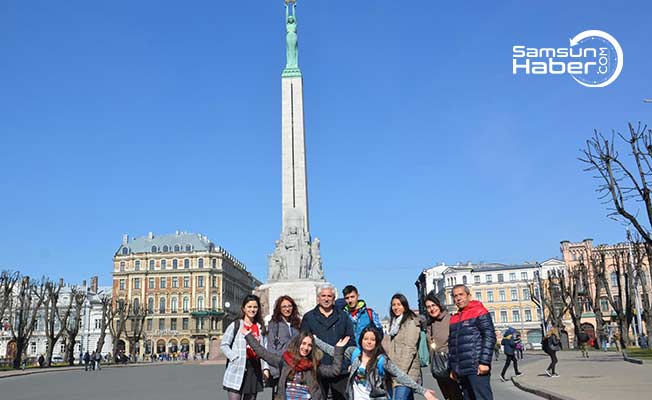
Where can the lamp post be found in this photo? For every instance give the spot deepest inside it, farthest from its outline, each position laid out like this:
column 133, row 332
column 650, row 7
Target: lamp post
column 537, row 292
column 634, row 276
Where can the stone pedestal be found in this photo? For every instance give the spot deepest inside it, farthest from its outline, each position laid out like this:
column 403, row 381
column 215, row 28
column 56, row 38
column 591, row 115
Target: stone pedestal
column 304, row 293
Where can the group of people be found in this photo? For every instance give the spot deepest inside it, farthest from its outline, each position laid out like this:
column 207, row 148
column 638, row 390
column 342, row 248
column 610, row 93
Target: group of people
column 337, row 349
column 92, row 361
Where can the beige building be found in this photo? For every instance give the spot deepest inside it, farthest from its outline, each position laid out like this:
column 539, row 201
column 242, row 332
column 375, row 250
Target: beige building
column 190, row 287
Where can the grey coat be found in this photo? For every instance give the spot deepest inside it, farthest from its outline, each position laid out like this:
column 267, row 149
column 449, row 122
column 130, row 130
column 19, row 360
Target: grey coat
column 237, row 355
column 378, row 389
column 273, row 359
column 279, row 335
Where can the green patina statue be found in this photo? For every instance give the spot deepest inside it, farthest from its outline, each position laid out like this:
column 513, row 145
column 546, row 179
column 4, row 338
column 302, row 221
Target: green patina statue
column 291, row 39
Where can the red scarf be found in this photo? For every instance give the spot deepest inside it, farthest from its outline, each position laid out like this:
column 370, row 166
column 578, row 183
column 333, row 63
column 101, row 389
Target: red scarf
column 303, row 364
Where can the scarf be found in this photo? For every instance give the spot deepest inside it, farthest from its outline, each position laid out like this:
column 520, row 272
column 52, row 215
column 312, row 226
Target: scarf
column 396, row 325
column 303, row 364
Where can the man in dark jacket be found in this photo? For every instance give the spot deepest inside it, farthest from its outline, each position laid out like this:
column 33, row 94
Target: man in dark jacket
column 471, row 345
column 330, row 325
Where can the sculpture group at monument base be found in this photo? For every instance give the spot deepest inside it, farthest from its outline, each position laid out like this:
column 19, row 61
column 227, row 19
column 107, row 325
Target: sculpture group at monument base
column 304, row 293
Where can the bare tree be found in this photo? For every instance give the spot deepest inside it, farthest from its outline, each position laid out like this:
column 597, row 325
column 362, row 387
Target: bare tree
column 56, row 316
column 626, row 185
column 29, row 299
column 105, row 322
column 73, row 323
column 623, row 309
column 642, row 277
column 137, row 323
column 118, row 324
column 551, row 300
column 573, row 286
column 8, row 281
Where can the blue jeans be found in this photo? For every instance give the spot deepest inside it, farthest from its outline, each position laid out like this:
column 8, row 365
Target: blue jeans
column 403, row 393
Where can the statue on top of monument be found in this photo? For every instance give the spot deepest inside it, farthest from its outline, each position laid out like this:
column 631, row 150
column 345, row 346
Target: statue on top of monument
column 291, row 37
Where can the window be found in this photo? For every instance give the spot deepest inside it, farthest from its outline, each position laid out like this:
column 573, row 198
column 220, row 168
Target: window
column 173, row 304
column 175, row 282
column 526, row 294
column 200, row 263
column 136, row 305
column 161, row 305
column 500, row 278
column 200, row 281
column 121, row 284
column 32, row 347
column 516, row 316
column 164, row 283
column 614, row 279
column 161, row 324
column 524, row 275
column 503, row 316
column 150, row 305
column 184, row 324
column 528, row 315
column 214, row 281
column 186, row 281
column 150, row 283
column 149, row 325
column 214, row 303
column 173, row 324
column 188, row 247
column 493, row 315
column 154, row 249
column 175, row 264
column 490, row 296
column 98, row 323
column 200, row 303
column 514, row 294
column 137, row 265
column 501, row 295
column 478, row 296
column 136, row 283
column 512, row 276
column 122, row 266
column 604, row 304
column 151, row 265
column 487, row 278
column 166, row 248
column 476, row 279
column 164, row 264
column 186, row 304
column 186, row 263
column 125, row 251
column 177, row 247
column 214, row 263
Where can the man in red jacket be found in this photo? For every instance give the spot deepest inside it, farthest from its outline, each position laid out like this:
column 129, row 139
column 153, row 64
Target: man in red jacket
column 470, row 345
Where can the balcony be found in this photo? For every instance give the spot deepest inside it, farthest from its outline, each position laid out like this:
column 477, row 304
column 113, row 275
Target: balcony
column 207, row 312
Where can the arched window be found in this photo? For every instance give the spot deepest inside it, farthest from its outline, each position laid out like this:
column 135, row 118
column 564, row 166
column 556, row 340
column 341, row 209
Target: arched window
column 188, row 247
column 137, row 265
column 214, row 303
column 200, row 302
column 166, row 248
column 186, row 263
column 154, row 249
column 177, row 247
column 175, row 264
column 150, row 305
column 151, row 265
column 614, row 280
column 121, row 304
column 161, row 305
column 136, row 303
column 125, row 251
column 214, row 262
column 200, row 263
column 186, row 304
column 164, row 264
column 173, row 305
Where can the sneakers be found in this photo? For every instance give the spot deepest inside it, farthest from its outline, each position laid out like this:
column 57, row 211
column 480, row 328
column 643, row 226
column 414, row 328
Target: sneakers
column 555, row 376
column 519, row 373
column 548, row 373
column 502, row 379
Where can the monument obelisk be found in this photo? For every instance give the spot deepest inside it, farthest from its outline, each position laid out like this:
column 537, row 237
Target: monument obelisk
column 295, row 266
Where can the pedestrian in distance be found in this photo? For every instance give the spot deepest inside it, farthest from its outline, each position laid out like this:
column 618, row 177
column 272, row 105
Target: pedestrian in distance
column 497, row 351
column 360, row 314
column 372, row 371
column 471, row 344
column 330, row 325
column 617, row 341
column 583, row 343
column 243, row 378
column 299, row 365
column 87, row 359
column 404, row 333
column 92, row 359
column 284, row 325
column 509, row 346
column 98, row 360
column 551, row 345
column 437, row 330
column 519, row 347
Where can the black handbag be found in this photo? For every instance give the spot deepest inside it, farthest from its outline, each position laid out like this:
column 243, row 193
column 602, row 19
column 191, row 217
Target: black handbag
column 439, row 365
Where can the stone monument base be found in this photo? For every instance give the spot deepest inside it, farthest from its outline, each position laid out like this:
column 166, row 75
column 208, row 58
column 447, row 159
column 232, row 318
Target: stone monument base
column 304, row 293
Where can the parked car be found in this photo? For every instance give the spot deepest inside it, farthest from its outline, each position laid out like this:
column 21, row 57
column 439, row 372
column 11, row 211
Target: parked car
column 57, row 359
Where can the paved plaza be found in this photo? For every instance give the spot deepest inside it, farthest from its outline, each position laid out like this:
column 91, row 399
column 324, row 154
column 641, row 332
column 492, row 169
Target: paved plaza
column 156, row 382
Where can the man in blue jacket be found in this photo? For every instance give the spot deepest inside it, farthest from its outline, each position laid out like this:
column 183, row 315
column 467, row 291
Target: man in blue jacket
column 471, row 345
column 360, row 315
column 330, row 325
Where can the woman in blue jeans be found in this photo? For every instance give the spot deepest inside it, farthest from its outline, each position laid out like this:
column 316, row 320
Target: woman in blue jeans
column 404, row 344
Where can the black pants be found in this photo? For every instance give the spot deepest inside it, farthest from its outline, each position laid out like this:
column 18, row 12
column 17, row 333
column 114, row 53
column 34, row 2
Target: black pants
column 337, row 387
column 450, row 389
column 553, row 361
column 520, row 353
column 509, row 358
column 476, row 387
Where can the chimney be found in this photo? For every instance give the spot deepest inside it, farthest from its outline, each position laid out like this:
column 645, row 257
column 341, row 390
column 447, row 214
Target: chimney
column 125, row 239
column 94, row 284
column 150, row 235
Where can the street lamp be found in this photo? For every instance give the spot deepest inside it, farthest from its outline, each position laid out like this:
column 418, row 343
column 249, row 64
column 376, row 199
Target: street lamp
column 635, row 277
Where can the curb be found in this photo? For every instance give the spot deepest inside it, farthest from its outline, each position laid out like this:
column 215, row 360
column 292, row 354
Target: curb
column 632, row 360
column 546, row 394
column 33, row 371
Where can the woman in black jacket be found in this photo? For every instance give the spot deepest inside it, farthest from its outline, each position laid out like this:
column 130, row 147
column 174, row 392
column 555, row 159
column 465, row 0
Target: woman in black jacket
column 552, row 345
column 509, row 348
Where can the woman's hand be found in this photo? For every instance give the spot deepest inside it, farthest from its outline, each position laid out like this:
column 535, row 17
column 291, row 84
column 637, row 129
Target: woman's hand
column 429, row 395
column 342, row 342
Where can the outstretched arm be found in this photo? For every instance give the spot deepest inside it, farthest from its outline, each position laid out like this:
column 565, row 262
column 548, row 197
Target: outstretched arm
column 262, row 352
column 403, row 379
column 335, row 369
column 330, row 350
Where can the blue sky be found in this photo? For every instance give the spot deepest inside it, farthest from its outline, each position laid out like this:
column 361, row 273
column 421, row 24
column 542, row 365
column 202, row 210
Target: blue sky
column 128, row 117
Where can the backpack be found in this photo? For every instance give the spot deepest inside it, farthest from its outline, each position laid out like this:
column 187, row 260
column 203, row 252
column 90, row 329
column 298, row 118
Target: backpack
column 544, row 344
column 236, row 328
column 380, row 365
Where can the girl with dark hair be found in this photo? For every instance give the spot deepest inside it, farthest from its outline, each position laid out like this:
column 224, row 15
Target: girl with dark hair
column 372, row 371
column 437, row 331
column 243, row 378
column 403, row 346
column 299, row 366
column 284, row 326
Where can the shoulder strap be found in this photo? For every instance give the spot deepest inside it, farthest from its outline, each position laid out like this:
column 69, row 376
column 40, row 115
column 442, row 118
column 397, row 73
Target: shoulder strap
column 236, row 328
column 370, row 313
column 381, row 365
